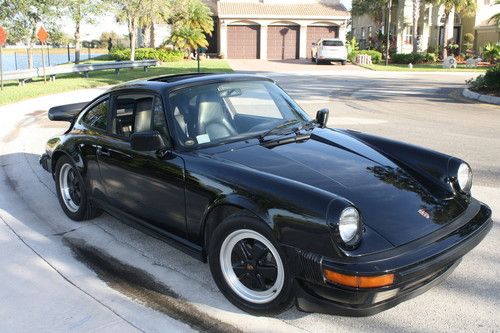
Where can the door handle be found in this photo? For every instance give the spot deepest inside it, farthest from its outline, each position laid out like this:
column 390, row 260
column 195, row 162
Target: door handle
column 102, row 152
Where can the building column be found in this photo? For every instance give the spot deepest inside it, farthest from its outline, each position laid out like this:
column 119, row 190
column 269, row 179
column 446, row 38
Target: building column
column 263, row 42
column 342, row 31
column 223, row 38
column 303, row 42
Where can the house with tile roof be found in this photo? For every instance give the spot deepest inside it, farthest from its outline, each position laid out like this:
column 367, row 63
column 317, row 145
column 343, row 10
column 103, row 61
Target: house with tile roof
column 274, row 29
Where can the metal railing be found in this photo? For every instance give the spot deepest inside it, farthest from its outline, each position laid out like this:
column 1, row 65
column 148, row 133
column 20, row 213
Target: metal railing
column 22, row 76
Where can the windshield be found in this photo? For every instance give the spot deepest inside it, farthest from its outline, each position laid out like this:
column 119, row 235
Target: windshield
column 228, row 111
column 332, row 43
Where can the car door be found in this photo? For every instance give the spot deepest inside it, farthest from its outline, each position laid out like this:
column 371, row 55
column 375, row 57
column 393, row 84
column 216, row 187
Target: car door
column 142, row 184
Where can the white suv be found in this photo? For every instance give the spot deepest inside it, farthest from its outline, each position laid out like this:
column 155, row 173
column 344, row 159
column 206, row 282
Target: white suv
column 328, row 50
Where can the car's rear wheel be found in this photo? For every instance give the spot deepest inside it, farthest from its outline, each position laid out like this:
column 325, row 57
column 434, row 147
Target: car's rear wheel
column 343, row 62
column 71, row 191
column 249, row 267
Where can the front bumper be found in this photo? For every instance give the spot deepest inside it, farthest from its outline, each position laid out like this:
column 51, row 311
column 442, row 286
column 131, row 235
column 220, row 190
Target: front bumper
column 45, row 162
column 417, row 267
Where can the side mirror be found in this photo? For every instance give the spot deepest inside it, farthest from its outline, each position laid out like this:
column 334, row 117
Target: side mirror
column 322, row 117
column 147, row 141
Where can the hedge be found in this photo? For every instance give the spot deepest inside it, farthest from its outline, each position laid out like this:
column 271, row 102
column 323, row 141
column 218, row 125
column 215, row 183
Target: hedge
column 163, row 55
column 414, row 58
column 376, row 56
column 489, row 82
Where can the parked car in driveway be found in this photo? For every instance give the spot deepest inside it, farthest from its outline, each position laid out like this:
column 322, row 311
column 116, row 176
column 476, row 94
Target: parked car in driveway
column 230, row 169
column 328, row 50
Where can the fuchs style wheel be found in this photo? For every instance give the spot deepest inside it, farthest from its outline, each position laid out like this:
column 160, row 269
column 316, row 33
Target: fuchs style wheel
column 71, row 191
column 248, row 266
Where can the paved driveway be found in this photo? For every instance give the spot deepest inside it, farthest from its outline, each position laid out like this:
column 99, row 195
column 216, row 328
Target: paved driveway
column 288, row 66
column 421, row 109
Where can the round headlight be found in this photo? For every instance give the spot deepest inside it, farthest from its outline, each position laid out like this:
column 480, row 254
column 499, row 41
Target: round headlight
column 464, row 177
column 349, row 224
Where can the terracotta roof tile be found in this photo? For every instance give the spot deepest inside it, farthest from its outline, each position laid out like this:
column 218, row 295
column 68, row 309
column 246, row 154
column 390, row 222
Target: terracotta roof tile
column 259, row 9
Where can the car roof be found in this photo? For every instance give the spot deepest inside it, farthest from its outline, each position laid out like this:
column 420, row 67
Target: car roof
column 165, row 83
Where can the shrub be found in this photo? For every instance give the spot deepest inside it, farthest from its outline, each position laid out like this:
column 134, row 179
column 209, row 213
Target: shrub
column 491, row 52
column 148, row 53
column 376, row 56
column 414, row 58
column 489, row 82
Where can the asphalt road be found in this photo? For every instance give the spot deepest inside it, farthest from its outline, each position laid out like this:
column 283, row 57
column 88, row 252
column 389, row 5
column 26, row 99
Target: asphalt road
column 142, row 284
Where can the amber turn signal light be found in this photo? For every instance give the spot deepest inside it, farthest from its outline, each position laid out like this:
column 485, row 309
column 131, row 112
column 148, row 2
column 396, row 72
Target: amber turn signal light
column 359, row 281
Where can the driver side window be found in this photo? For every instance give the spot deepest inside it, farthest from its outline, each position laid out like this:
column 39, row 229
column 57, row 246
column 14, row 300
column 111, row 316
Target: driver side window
column 139, row 112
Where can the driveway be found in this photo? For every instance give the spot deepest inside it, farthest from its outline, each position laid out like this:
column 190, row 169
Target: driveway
column 125, row 269
column 289, row 66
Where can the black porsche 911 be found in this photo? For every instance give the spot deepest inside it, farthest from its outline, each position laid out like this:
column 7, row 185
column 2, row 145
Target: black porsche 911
column 231, row 170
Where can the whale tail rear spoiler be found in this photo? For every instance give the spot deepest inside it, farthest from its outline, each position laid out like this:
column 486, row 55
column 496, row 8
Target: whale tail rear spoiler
column 66, row 112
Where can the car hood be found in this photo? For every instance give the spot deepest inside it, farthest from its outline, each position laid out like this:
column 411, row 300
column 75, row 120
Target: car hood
column 390, row 198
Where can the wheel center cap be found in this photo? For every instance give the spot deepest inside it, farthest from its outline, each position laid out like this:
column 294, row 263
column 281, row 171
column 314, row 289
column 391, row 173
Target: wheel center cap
column 249, row 267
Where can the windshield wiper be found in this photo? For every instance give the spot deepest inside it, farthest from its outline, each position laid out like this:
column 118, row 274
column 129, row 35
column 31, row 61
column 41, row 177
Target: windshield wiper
column 307, row 125
column 277, row 129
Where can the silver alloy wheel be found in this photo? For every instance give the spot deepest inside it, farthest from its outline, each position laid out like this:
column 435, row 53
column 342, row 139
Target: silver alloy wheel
column 69, row 187
column 267, row 292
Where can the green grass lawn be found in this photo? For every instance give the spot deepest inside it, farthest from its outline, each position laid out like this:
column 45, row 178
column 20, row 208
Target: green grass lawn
column 421, row 68
column 66, row 82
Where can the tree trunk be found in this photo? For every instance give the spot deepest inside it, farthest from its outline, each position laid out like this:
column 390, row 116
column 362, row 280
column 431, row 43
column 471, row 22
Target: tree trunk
column 31, row 42
column 416, row 14
column 444, row 53
column 77, row 43
column 133, row 38
column 152, row 35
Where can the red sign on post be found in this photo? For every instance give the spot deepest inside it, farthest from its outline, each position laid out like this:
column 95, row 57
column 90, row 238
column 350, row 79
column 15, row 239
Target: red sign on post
column 42, row 34
column 3, row 36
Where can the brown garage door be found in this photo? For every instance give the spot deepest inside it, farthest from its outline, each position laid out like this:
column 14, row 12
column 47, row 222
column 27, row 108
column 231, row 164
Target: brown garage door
column 243, row 41
column 314, row 33
column 282, row 42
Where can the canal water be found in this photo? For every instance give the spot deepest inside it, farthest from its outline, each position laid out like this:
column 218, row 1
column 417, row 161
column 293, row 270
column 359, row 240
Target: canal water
column 9, row 59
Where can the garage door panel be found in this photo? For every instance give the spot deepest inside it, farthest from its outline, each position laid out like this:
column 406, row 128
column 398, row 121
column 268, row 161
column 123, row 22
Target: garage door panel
column 283, row 42
column 314, row 33
column 243, row 41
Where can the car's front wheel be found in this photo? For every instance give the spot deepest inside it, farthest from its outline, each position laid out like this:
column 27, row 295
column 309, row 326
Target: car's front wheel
column 249, row 267
column 71, row 191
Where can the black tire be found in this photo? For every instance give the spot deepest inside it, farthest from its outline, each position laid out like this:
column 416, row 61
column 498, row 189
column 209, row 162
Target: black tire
column 239, row 222
column 86, row 210
column 343, row 63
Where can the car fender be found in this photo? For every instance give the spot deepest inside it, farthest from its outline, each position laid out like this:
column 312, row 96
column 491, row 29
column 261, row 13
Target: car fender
column 428, row 165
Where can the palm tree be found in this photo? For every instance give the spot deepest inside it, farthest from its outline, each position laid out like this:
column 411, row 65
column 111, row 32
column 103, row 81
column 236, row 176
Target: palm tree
column 464, row 7
column 495, row 18
column 191, row 21
column 187, row 38
column 193, row 14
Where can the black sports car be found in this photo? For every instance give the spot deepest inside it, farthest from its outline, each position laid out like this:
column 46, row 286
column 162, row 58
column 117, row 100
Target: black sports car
column 230, row 169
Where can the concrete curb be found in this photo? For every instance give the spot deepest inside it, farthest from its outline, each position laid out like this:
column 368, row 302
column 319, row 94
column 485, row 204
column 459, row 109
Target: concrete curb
column 482, row 98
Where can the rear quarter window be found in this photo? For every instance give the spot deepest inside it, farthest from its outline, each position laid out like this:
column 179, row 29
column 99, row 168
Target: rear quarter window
column 97, row 116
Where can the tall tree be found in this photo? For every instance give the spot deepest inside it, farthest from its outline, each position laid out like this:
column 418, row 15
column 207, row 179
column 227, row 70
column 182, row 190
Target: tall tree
column 464, row 7
column 373, row 8
column 416, row 15
column 82, row 11
column 131, row 11
column 157, row 11
column 22, row 17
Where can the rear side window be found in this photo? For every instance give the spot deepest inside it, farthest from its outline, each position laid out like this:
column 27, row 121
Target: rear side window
column 97, row 116
column 333, row 43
